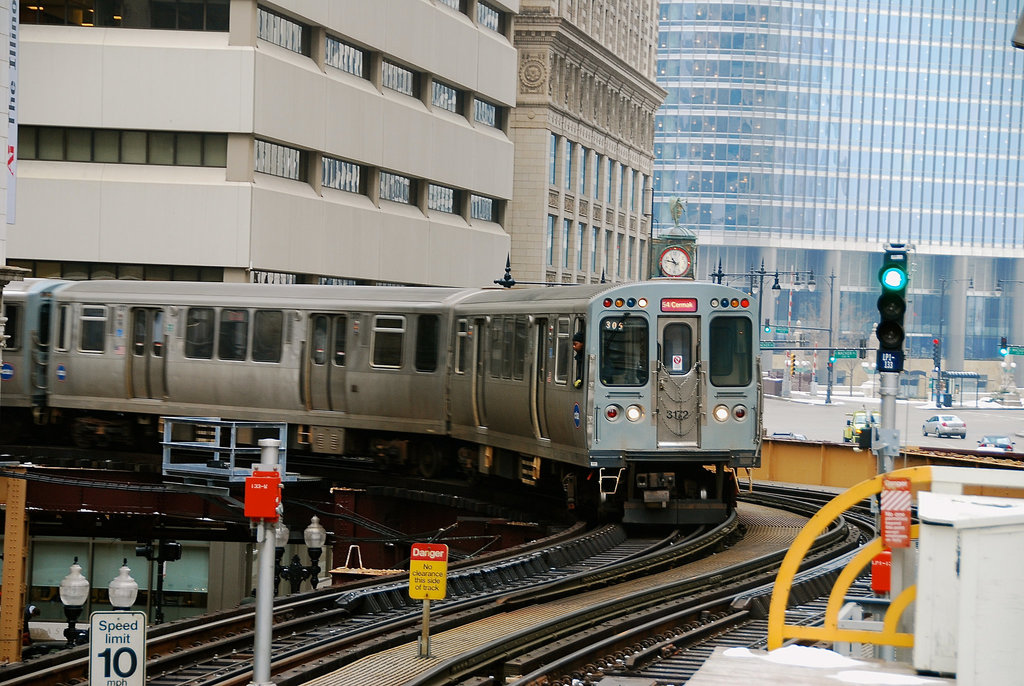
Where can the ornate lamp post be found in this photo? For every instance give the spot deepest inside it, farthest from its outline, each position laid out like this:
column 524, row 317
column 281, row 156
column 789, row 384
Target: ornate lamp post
column 74, row 592
column 281, row 534
column 123, row 590
column 295, row 573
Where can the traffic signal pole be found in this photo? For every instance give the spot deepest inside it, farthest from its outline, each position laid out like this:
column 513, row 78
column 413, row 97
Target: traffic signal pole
column 894, row 277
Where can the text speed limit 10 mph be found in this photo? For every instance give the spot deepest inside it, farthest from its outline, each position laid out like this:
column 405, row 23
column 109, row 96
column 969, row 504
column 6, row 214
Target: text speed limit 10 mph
column 117, row 649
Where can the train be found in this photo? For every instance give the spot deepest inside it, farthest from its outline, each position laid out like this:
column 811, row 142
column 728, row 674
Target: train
column 638, row 400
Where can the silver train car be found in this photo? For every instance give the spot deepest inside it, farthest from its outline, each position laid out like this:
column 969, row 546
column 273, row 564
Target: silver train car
column 639, row 400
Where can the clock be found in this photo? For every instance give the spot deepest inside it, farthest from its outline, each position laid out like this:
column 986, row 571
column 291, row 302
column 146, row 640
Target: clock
column 674, row 261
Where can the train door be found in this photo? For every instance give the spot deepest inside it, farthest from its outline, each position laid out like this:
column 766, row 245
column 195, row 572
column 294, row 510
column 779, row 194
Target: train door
column 325, row 362
column 479, row 371
column 540, row 365
column 678, row 394
column 146, row 360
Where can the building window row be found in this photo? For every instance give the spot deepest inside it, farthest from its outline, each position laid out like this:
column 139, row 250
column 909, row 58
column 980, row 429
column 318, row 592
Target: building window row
column 616, row 174
column 352, row 59
column 122, row 147
column 561, row 244
column 183, row 15
column 344, row 175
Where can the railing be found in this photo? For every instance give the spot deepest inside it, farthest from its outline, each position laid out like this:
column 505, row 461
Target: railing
column 217, row 449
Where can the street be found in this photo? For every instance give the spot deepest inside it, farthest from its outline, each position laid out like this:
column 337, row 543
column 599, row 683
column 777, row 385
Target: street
column 809, row 416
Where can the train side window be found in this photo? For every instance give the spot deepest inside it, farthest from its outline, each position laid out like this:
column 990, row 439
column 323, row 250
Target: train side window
column 139, row 333
column 94, row 327
column 677, row 342
column 319, row 351
column 562, row 351
column 267, row 326
column 519, row 354
column 199, row 333
column 64, row 328
column 234, row 330
column 427, row 328
column 340, row 333
column 623, row 351
column 462, row 340
column 731, row 351
column 507, row 352
column 496, row 347
column 12, row 327
column 388, row 335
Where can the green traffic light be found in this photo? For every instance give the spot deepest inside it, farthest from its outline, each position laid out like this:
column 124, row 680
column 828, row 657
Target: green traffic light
column 767, row 329
column 893, row 278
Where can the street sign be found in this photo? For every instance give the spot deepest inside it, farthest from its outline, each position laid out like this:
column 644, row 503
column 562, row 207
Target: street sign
column 845, row 354
column 889, row 360
column 428, row 571
column 1015, row 350
column 117, row 648
column 767, row 345
column 781, row 329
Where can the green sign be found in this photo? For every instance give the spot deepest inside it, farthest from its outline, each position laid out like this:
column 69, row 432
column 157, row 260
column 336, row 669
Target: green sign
column 1015, row 349
column 781, row 329
column 845, row 354
column 767, row 345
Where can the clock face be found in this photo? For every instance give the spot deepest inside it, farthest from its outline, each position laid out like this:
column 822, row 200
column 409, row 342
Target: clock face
column 674, row 262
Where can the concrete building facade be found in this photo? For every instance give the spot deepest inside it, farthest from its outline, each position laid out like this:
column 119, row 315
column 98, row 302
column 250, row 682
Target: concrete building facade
column 299, row 140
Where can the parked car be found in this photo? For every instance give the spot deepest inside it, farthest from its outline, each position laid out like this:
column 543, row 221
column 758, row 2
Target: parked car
column 945, row 425
column 857, row 422
column 996, row 443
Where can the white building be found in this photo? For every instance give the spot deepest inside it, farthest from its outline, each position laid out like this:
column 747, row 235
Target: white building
column 300, row 140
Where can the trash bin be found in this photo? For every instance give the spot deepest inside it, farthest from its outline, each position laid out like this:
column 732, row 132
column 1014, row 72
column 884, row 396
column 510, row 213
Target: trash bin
column 946, row 400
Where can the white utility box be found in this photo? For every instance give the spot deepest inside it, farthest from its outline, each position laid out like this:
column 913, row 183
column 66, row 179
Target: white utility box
column 970, row 588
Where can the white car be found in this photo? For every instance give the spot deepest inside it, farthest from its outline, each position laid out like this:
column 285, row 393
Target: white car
column 945, row 425
column 996, row 444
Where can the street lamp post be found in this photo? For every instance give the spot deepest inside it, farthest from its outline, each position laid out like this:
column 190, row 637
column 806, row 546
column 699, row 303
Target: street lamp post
column 831, row 352
column 295, row 573
column 123, row 590
column 74, row 591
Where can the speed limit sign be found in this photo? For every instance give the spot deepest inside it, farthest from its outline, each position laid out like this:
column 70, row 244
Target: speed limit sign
column 117, row 649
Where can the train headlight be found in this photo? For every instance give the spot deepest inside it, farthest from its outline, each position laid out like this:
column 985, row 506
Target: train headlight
column 720, row 413
column 739, row 412
column 612, row 412
column 634, row 413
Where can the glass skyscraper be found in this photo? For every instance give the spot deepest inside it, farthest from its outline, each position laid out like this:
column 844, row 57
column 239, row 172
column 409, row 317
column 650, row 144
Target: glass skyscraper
column 809, row 134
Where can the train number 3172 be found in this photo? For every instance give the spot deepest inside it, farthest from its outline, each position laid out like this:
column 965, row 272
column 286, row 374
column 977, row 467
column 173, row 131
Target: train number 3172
column 677, row 414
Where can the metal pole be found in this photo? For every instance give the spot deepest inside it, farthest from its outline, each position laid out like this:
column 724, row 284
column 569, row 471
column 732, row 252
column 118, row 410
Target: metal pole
column 831, row 352
column 887, row 387
column 263, row 632
column 425, row 630
column 942, row 343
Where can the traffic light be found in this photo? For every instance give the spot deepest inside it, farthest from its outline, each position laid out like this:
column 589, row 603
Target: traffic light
column 767, row 325
column 1003, row 347
column 936, row 352
column 170, row 551
column 892, row 305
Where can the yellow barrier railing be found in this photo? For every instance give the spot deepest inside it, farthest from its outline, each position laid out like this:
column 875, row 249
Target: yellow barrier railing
column 945, row 479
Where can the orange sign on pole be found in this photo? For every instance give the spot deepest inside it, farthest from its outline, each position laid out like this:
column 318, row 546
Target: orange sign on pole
column 896, row 501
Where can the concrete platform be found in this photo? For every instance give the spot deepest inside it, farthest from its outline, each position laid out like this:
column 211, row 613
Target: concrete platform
column 799, row 666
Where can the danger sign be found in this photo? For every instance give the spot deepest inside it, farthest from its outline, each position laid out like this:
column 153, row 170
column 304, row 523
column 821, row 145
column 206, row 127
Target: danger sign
column 428, row 571
column 895, row 504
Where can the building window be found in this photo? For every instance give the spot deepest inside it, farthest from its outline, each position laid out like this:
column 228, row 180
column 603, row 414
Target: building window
column 593, row 249
column 342, row 175
column 580, row 229
column 481, row 207
column 549, row 247
column 597, row 177
column 279, row 30
column 442, row 199
column 446, row 97
column 396, row 188
column 398, row 78
column 184, row 15
column 584, row 153
column 551, row 159
column 618, row 255
column 280, row 160
column 345, row 57
column 487, row 113
column 124, row 147
column 568, row 165
column 454, row 4
column 490, row 18
column 566, row 230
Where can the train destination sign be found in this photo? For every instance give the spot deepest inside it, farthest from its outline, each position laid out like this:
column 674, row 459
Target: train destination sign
column 117, row 648
column 428, row 571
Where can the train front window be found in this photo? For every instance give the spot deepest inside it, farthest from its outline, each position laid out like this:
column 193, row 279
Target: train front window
column 624, row 350
column 731, row 351
column 676, row 344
